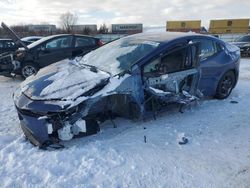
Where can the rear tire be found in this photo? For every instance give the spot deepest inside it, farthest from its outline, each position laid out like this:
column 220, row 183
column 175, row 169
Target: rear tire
column 225, row 85
column 28, row 69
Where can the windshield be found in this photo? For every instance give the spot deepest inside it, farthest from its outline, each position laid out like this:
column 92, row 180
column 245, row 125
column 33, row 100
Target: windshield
column 119, row 55
column 243, row 39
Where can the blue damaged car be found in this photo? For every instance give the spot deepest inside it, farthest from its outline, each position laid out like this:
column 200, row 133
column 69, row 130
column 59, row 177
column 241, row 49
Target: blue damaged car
column 132, row 77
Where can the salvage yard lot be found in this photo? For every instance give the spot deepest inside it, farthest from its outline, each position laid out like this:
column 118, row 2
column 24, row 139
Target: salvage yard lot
column 217, row 154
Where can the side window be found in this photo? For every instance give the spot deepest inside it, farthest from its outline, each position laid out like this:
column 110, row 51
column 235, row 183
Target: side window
column 84, row 41
column 63, row 42
column 172, row 62
column 207, row 49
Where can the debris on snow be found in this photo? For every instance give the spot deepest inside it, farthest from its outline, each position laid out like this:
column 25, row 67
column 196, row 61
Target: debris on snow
column 182, row 139
column 234, row 102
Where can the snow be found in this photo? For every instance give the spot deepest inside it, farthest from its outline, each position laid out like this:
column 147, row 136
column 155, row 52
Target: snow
column 217, row 153
column 68, row 82
column 71, row 83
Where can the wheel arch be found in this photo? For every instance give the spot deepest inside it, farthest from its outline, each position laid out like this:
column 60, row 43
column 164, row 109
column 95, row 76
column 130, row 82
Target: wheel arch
column 120, row 104
column 217, row 95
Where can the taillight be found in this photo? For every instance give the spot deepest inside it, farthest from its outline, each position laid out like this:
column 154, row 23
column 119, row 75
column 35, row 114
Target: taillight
column 100, row 43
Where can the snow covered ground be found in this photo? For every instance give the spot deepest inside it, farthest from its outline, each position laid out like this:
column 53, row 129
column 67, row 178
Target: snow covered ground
column 217, row 154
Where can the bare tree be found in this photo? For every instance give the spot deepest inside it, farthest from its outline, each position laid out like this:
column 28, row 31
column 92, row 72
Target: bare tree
column 103, row 29
column 86, row 31
column 67, row 20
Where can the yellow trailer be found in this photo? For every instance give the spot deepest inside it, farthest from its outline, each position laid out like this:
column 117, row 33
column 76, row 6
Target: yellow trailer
column 184, row 26
column 229, row 26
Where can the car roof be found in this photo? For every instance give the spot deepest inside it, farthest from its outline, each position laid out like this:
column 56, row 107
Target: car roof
column 163, row 37
column 44, row 39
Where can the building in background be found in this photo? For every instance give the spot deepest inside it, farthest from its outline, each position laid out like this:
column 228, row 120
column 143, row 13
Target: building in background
column 85, row 29
column 42, row 28
column 126, row 28
column 229, row 26
column 184, row 26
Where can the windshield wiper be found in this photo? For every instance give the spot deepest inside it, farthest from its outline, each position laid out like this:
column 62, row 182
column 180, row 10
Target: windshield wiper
column 94, row 68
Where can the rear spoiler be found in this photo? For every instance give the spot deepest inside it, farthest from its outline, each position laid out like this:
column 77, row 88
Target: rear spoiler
column 13, row 36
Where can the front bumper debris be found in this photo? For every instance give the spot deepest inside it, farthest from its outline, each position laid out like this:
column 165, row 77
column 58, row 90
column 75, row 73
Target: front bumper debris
column 34, row 129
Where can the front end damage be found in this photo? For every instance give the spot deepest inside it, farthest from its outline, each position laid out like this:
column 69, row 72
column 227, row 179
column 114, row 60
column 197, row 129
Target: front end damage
column 46, row 129
column 46, row 122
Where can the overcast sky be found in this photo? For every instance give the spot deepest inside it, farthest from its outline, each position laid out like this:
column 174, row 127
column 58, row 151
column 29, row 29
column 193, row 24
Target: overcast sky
column 148, row 12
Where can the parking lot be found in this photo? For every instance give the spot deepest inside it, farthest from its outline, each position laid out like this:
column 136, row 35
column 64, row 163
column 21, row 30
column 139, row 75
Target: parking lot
column 138, row 154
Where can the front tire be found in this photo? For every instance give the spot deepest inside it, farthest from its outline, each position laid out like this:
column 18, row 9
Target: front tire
column 225, row 85
column 28, row 69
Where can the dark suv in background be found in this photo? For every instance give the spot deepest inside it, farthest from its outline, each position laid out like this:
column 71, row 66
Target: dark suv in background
column 29, row 59
column 244, row 44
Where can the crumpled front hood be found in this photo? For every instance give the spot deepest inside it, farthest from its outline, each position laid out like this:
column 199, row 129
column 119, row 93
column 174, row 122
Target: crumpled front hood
column 65, row 80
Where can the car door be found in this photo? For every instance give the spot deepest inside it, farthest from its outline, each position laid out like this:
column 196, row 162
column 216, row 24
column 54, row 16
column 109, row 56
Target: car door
column 83, row 45
column 167, row 76
column 54, row 50
column 211, row 62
